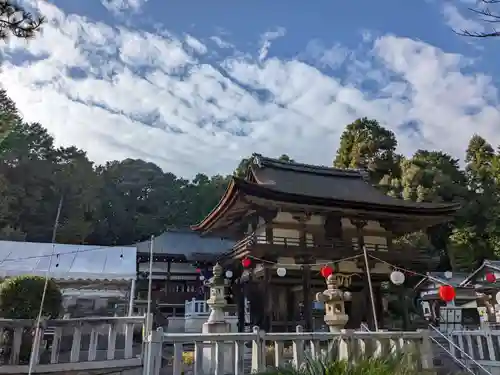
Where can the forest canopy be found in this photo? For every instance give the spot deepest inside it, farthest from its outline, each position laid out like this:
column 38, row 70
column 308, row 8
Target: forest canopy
column 123, row 202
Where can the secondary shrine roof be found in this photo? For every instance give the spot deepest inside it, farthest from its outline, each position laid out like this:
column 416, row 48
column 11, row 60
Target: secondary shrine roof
column 186, row 245
column 271, row 180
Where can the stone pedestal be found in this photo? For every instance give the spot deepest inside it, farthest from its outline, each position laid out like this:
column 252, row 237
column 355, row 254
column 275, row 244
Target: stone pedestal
column 215, row 324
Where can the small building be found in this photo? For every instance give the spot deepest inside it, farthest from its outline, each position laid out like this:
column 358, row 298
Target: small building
column 485, row 280
column 479, row 280
column 180, row 257
column 428, row 291
column 94, row 280
column 300, row 217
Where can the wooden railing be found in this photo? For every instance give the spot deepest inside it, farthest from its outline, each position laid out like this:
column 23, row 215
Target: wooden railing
column 71, row 344
column 218, row 354
column 253, row 240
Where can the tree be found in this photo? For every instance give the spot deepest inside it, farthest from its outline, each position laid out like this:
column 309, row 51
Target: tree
column 9, row 116
column 477, row 229
column 15, row 21
column 367, row 145
column 488, row 16
column 20, row 298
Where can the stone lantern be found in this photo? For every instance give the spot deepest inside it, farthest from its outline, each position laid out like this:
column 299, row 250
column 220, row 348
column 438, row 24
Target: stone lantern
column 334, row 298
column 217, row 301
column 216, row 323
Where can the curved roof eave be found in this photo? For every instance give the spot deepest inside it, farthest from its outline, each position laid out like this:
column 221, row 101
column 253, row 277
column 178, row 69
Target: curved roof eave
column 238, row 185
column 416, row 208
column 223, row 206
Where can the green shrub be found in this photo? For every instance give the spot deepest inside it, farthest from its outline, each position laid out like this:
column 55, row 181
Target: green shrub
column 369, row 366
column 20, row 298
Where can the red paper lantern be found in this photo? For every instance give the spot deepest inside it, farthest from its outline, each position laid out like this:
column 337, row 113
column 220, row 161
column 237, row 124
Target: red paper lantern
column 246, row 262
column 491, row 278
column 447, row 293
column 326, row 271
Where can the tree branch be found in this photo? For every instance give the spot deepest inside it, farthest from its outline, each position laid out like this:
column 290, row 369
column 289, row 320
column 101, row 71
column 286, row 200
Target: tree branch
column 487, row 16
column 16, row 21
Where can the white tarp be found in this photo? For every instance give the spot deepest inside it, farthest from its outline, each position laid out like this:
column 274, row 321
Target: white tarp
column 69, row 262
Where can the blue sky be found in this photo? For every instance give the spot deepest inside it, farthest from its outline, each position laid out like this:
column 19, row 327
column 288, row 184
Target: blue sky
column 194, row 86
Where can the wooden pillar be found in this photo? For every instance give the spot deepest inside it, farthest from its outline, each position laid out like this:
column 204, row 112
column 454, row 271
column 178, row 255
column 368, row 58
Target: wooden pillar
column 360, row 224
column 167, row 281
column 269, row 216
column 333, row 228
column 388, row 227
column 291, row 316
column 305, row 259
column 266, row 299
column 306, row 289
column 380, row 306
column 239, row 290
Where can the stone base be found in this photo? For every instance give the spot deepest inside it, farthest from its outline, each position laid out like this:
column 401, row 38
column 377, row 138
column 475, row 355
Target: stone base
column 336, row 322
column 209, row 349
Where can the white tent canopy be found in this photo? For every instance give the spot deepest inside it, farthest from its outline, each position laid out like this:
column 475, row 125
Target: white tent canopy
column 69, row 262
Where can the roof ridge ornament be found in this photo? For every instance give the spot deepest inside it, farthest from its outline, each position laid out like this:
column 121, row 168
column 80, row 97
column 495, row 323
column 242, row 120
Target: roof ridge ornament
column 257, row 160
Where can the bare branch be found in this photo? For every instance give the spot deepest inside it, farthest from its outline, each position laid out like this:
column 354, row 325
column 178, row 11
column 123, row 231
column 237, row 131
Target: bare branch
column 487, row 16
column 15, row 21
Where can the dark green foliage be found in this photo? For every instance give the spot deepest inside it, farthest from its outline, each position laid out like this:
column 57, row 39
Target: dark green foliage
column 401, row 365
column 20, row 298
column 366, row 144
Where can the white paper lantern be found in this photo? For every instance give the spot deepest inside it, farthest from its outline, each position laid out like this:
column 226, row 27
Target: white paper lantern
column 229, row 274
column 202, row 277
column 448, row 274
column 497, row 297
column 281, row 271
column 397, row 277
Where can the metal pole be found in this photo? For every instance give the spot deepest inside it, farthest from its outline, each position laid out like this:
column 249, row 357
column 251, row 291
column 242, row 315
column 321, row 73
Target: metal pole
column 37, row 338
column 150, row 284
column 131, row 299
column 370, row 287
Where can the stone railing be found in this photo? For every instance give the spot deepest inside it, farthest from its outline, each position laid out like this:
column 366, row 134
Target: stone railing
column 71, row 344
column 226, row 353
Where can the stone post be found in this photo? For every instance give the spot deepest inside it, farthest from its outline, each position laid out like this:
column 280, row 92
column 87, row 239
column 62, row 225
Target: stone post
column 216, row 323
column 333, row 298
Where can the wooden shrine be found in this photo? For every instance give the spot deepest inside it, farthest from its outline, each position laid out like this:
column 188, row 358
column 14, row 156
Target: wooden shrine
column 180, row 257
column 299, row 217
column 428, row 291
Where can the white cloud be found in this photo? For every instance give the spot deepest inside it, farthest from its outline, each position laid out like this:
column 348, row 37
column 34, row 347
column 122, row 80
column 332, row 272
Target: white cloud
column 456, row 20
column 266, row 41
column 118, row 6
column 331, row 57
column 147, row 96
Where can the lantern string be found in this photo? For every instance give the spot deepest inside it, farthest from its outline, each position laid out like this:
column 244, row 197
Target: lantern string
column 394, row 267
column 411, row 272
column 303, row 264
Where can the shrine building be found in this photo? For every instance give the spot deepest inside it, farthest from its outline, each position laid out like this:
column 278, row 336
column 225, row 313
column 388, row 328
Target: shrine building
column 297, row 217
